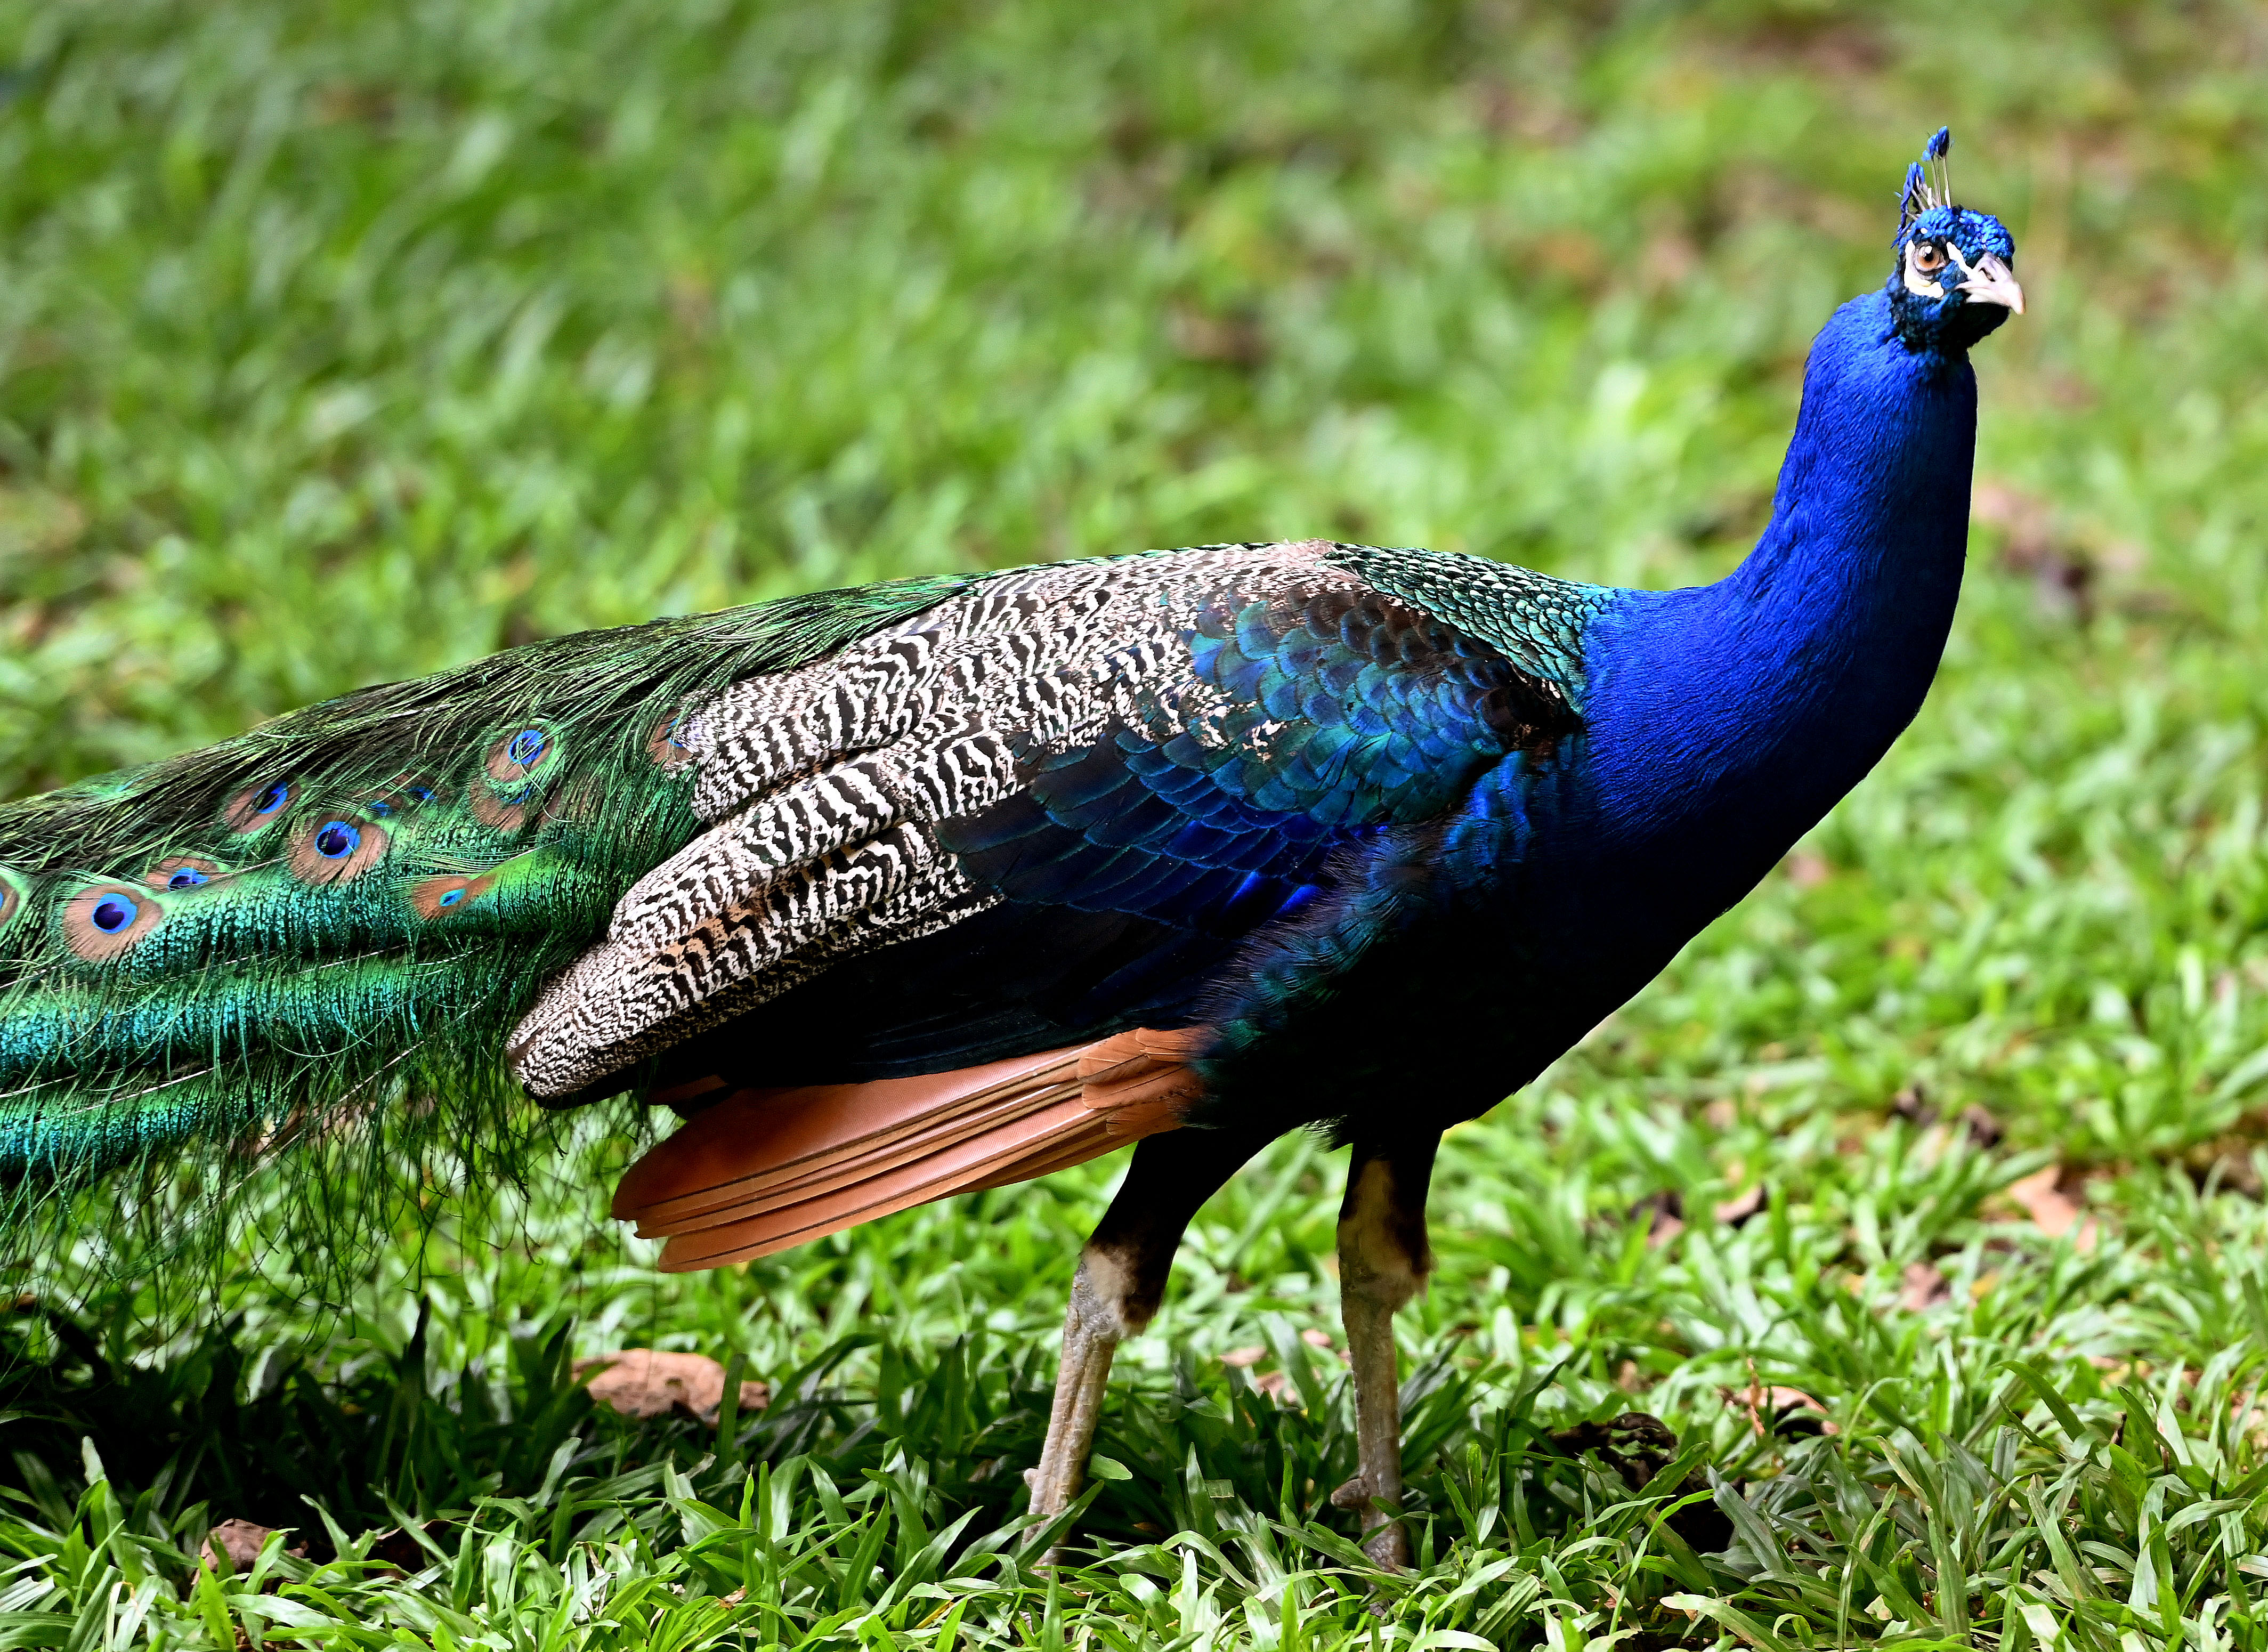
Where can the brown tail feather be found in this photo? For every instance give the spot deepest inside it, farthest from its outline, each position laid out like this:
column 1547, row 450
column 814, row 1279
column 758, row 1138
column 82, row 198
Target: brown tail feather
column 762, row 1171
column 758, row 1144
column 760, row 1233
column 1075, row 1147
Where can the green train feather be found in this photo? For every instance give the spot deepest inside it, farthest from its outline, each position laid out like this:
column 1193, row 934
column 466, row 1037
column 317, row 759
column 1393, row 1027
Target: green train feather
column 309, row 919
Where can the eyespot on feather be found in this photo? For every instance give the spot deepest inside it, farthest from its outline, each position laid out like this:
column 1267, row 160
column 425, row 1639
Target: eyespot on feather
column 337, row 849
column 519, row 753
column 182, row 872
column 105, row 920
column 438, row 898
column 12, row 897
column 403, row 792
column 505, row 813
column 666, row 744
column 257, row 807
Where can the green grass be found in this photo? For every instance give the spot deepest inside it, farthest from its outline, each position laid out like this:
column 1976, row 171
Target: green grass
column 345, row 342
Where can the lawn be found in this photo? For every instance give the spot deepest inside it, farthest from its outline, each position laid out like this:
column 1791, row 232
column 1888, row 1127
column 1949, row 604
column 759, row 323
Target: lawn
column 1919, row 1204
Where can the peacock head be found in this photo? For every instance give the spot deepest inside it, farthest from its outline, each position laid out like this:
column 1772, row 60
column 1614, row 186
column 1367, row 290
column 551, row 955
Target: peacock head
column 1952, row 284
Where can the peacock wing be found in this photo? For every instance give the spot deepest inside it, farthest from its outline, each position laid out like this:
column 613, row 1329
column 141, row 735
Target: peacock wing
column 1100, row 774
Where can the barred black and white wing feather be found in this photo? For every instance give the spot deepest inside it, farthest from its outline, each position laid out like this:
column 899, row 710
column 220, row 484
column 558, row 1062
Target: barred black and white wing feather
column 1121, row 767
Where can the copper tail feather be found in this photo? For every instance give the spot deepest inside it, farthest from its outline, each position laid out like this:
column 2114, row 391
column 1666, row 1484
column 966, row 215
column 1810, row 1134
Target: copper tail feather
column 762, row 1171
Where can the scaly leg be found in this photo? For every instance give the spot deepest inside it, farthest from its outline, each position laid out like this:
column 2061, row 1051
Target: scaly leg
column 1103, row 1313
column 1122, row 1278
column 1383, row 1262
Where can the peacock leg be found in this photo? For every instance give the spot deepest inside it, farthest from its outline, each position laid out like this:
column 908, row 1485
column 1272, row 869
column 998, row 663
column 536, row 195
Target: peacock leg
column 1383, row 1261
column 1120, row 1280
column 1102, row 1314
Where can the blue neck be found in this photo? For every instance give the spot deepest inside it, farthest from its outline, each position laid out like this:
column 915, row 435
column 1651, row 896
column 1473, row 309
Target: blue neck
column 1727, row 718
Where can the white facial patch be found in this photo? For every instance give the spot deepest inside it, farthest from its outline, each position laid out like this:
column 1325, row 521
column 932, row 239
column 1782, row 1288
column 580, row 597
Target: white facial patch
column 1916, row 283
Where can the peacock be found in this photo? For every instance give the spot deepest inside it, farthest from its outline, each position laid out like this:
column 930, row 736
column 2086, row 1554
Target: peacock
column 947, row 883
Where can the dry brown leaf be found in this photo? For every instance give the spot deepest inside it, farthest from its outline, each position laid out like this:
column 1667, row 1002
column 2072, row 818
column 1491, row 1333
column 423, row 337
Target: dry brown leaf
column 1244, row 1356
column 1664, row 1213
column 1273, row 1383
column 1922, row 1286
column 240, row 1541
column 1734, row 1211
column 1794, row 1412
column 2053, row 1211
column 1784, row 1411
column 1316, row 1338
column 651, row 1383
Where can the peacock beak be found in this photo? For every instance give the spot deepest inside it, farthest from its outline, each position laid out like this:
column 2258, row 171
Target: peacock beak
column 1991, row 281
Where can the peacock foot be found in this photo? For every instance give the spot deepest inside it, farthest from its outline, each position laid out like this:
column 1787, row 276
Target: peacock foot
column 1387, row 1543
column 1389, row 1546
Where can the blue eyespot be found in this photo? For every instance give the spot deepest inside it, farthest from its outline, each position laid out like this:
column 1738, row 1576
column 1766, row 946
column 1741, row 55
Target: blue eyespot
column 450, row 897
column 669, row 745
column 526, row 746
column 184, row 878
column 399, row 798
column 114, row 912
column 335, row 840
column 257, row 807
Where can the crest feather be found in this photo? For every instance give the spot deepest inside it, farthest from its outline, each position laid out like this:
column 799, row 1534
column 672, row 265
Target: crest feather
column 1929, row 181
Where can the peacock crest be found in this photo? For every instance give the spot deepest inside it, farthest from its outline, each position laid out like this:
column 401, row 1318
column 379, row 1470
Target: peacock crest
column 1929, row 181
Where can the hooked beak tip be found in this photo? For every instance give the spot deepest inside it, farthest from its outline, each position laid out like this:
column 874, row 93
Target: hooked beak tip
column 1994, row 283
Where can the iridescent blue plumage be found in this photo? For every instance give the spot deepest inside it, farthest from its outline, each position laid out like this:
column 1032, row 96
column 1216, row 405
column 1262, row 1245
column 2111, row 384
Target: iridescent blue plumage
column 1327, row 723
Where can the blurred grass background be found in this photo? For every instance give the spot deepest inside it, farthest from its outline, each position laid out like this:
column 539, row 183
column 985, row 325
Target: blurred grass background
column 343, row 342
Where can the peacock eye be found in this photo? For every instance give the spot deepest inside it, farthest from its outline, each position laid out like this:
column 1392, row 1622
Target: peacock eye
column 1929, row 257
column 115, row 912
